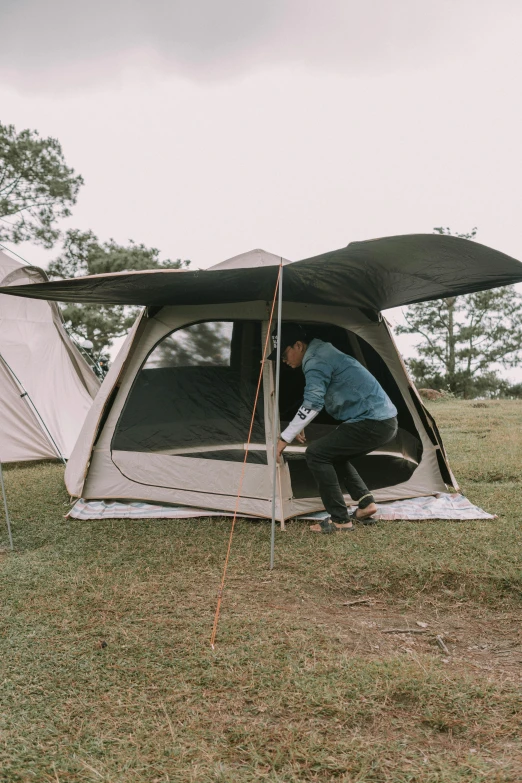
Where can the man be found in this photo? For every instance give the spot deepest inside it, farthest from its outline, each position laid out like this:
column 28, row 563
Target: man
column 367, row 416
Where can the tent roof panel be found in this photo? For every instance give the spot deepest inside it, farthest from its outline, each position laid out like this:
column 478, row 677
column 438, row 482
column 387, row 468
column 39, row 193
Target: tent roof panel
column 376, row 275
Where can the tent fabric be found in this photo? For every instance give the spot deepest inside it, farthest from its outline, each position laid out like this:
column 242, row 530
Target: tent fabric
column 21, row 434
column 372, row 275
column 100, row 470
column 46, row 386
column 79, row 461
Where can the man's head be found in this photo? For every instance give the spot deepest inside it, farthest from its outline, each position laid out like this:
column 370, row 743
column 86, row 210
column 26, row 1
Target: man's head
column 294, row 343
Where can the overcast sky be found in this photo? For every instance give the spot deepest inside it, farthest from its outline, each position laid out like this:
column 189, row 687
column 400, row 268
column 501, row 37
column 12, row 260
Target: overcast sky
column 210, row 127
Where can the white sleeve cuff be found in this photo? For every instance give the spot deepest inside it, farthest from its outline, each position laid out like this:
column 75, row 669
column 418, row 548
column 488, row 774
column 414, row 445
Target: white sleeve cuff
column 302, row 418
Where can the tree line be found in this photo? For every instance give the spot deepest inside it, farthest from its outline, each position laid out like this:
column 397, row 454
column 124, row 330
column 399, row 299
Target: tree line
column 463, row 341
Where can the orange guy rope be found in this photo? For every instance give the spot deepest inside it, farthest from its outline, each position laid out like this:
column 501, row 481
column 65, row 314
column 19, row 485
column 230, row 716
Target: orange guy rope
column 227, row 557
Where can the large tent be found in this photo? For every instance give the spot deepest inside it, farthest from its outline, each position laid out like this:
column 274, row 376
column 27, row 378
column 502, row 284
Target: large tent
column 171, row 420
column 46, row 386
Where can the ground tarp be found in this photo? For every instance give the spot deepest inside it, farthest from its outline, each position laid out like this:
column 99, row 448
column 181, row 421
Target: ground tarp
column 441, row 506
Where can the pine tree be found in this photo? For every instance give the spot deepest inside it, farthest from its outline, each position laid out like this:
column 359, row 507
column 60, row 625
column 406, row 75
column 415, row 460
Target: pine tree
column 37, row 188
column 464, row 337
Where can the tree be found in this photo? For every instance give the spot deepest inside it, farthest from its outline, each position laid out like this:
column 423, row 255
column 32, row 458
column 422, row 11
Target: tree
column 84, row 254
column 464, row 337
column 36, row 187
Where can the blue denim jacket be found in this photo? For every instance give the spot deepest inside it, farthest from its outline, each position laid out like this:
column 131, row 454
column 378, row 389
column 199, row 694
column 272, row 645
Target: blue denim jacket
column 343, row 386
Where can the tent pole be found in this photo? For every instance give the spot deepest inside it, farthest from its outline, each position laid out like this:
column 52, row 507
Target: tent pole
column 5, row 507
column 276, row 414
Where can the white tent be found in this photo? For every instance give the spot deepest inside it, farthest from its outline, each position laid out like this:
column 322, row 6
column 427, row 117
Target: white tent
column 171, row 420
column 46, row 386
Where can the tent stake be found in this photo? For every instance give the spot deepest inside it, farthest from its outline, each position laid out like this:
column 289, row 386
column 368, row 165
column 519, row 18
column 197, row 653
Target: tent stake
column 5, row 507
column 276, row 414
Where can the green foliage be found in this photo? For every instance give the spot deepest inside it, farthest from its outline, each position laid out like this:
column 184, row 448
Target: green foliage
column 36, row 187
column 464, row 337
column 84, row 254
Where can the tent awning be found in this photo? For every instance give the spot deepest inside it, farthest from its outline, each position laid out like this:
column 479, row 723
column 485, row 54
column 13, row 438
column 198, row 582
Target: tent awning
column 376, row 275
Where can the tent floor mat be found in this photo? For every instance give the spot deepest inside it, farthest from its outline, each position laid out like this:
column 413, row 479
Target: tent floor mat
column 440, row 506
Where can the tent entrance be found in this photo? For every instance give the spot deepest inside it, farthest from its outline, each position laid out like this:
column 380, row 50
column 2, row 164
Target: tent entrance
column 394, row 464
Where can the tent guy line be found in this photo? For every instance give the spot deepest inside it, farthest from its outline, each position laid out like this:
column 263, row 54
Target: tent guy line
column 259, row 382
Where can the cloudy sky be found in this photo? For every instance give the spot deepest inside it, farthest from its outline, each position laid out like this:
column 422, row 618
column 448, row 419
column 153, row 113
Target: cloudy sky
column 209, row 127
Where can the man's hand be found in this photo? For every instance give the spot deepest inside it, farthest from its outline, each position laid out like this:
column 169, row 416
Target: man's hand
column 281, row 446
column 301, row 438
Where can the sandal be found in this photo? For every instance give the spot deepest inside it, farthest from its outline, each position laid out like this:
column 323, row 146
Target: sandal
column 323, row 526
column 327, row 526
column 365, row 516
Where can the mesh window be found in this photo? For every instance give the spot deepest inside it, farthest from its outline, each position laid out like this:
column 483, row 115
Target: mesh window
column 194, row 395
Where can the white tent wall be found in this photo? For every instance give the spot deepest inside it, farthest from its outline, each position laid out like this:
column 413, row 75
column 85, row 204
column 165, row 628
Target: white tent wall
column 21, row 434
column 85, row 376
column 214, row 484
column 80, row 459
column 41, row 359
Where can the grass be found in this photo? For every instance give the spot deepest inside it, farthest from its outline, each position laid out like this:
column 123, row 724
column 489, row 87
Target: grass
column 106, row 672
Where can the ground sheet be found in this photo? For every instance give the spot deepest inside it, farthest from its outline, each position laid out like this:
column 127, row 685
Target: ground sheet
column 440, row 506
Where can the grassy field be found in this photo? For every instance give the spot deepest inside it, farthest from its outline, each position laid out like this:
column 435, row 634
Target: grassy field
column 107, row 675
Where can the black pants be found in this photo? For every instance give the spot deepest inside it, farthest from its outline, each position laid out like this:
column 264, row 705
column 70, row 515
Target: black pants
column 328, row 458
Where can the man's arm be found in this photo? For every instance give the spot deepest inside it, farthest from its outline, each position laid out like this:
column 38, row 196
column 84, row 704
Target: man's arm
column 302, row 418
column 318, row 375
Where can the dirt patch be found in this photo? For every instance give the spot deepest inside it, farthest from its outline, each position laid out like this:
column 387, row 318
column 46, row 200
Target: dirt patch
column 460, row 638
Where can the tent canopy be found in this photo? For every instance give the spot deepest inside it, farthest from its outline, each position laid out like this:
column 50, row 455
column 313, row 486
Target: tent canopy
column 371, row 275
